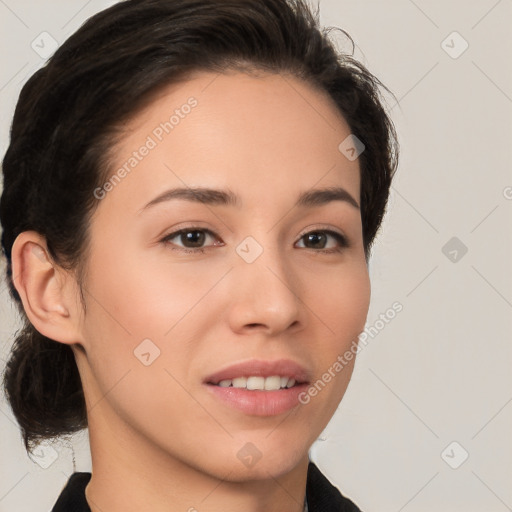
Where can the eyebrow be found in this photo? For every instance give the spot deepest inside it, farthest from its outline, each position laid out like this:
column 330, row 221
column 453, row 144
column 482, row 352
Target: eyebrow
column 309, row 198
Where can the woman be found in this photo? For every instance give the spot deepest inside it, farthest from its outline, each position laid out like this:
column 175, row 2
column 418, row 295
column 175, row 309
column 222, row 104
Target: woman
column 191, row 193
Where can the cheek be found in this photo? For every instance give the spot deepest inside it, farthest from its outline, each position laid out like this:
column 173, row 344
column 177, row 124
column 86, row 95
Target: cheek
column 341, row 304
column 137, row 315
column 144, row 310
column 343, row 299
column 146, row 294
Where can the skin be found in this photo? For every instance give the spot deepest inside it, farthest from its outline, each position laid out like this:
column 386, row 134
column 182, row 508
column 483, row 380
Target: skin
column 158, row 440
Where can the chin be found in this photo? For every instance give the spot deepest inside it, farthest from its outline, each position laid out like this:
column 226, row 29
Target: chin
column 250, row 460
column 263, row 458
column 260, row 471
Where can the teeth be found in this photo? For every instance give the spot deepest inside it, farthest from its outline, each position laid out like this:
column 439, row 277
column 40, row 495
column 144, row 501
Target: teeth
column 272, row 383
column 240, row 382
column 258, row 383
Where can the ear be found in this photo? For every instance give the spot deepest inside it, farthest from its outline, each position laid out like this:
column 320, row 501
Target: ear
column 48, row 292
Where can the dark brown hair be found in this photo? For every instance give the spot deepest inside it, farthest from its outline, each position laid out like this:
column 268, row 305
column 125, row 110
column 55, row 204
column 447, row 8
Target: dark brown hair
column 65, row 122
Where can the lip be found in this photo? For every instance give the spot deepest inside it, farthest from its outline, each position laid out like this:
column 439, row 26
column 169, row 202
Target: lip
column 261, row 368
column 259, row 402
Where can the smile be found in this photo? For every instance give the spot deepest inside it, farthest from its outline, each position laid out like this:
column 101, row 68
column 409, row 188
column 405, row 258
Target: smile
column 258, row 383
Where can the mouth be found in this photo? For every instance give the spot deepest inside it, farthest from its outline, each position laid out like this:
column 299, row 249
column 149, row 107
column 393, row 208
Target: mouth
column 260, row 375
column 258, row 383
column 259, row 388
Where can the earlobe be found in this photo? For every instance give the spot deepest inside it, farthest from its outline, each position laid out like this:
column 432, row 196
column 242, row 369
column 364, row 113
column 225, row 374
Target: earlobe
column 42, row 286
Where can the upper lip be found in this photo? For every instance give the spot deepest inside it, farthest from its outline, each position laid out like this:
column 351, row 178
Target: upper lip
column 261, row 368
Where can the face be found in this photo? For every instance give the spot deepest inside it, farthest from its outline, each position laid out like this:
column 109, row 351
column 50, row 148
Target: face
column 185, row 286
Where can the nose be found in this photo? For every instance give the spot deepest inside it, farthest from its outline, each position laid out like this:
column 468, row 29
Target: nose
column 266, row 295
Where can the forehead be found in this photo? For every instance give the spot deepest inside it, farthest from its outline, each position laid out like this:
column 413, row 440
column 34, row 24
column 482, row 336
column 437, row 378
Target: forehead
column 251, row 133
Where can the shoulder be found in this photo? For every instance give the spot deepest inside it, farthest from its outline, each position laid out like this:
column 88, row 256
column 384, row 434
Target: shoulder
column 72, row 497
column 322, row 496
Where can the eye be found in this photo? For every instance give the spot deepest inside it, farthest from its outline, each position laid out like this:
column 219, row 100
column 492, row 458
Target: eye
column 318, row 240
column 192, row 239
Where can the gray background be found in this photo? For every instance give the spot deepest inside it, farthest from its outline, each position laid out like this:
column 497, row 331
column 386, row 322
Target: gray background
column 439, row 372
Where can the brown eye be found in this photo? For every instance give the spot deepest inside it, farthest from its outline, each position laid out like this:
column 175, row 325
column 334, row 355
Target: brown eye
column 319, row 239
column 194, row 238
column 189, row 238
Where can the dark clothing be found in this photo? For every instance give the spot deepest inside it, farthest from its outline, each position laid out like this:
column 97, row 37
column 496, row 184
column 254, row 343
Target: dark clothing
column 321, row 495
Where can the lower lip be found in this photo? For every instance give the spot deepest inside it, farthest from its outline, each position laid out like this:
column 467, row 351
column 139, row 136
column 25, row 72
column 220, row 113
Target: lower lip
column 258, row 402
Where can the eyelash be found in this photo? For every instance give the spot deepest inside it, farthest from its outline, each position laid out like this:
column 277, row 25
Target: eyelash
column 341, row 239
